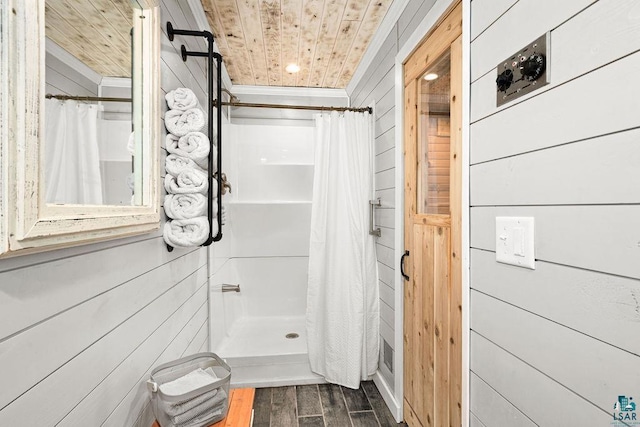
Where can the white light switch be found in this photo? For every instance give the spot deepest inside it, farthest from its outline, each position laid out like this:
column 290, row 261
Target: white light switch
column 515, row 241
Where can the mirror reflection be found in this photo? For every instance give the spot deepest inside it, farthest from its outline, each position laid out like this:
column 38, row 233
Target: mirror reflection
column 90, row 143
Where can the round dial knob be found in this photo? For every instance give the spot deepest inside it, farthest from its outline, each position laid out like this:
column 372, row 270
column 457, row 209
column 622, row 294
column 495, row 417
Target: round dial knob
column 504, row 80
column 533, row 67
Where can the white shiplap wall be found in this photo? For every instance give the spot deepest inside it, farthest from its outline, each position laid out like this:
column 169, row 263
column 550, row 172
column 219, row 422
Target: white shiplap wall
column 81, row 328
column 556, row 346
column 377, row 84
column 567, row 155
column 62, row 79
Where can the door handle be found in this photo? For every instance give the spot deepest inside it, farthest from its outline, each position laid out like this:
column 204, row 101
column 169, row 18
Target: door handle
column 404, row 275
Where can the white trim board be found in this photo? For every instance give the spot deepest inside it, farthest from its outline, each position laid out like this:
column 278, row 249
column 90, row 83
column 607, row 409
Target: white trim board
column 387, row 396
column 386, row 26
column 429, row 21
column 4, row 131
column 115, row 82
column 290, row 91
column 466, row 208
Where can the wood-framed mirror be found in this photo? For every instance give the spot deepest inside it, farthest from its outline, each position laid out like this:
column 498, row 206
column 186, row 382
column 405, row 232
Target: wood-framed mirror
column 43, row 205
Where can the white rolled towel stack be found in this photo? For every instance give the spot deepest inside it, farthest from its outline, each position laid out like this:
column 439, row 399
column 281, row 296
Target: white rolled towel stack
column 180, row 122
column 182, row 99
column 175, row 164
column 187, row 177
column 188, row 182
column 185, row 206
column 194, row 146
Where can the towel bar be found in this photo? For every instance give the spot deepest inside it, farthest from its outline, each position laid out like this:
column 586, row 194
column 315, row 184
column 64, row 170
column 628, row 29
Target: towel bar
column 230, row 288
column 373, row 204
column 210, row 55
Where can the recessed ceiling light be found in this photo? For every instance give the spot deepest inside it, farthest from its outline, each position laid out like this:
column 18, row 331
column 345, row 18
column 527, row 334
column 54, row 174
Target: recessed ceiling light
column 430, row 76
column 292, row 68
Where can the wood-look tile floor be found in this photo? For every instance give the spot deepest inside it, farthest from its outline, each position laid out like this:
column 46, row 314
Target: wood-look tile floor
column 323, row 405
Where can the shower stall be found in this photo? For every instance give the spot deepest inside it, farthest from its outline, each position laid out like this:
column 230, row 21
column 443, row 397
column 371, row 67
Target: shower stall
column 260, row 329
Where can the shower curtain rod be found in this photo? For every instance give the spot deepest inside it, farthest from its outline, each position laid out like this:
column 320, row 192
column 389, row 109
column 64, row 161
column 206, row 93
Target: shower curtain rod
column 87, row 98
column 297, row 107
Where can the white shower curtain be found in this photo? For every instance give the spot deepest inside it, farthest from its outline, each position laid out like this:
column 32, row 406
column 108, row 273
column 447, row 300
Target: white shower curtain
column 72, row 171
column 342, row 295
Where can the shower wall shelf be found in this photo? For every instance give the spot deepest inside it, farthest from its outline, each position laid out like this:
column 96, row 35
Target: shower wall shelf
column 211, row 56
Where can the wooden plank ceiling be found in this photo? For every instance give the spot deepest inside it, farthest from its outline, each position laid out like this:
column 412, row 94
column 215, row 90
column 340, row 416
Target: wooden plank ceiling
column 94, row 31
column 325, row 38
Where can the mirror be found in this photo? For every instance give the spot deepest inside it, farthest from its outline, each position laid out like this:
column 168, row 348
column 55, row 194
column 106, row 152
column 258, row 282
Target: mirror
column 78, row 170
column 90, row 141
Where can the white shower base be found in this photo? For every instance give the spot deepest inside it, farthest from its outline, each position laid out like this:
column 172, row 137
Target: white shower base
column 261, row 356
column 265, row 336
column 248, row 328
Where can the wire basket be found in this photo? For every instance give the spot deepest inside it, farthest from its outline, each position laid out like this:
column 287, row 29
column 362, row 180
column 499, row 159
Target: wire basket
column 177, row 404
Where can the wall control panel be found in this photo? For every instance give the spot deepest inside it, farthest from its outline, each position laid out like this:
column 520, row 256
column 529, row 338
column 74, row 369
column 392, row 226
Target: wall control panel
column 524, row 71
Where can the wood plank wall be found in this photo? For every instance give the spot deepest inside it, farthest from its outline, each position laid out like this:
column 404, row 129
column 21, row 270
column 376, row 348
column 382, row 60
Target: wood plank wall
column 377, row 85
column 558, row 337
column 81, row 328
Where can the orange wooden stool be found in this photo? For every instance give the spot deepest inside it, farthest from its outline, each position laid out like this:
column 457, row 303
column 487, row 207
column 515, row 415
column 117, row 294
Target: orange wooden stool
column 240, row 407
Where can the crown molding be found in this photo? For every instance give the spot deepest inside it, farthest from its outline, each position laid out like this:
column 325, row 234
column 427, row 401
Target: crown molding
column 289, row 91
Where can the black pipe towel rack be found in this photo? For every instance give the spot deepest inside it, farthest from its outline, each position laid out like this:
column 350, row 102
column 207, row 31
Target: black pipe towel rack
column 210, row 55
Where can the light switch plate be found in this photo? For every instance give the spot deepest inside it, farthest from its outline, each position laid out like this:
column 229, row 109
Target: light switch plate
column 515, row 241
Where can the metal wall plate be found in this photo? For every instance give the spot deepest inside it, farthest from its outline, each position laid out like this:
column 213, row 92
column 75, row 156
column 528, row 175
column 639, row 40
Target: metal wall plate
column 523, row 72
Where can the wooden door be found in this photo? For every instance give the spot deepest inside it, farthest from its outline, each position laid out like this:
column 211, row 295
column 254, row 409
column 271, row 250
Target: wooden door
column 432, row 227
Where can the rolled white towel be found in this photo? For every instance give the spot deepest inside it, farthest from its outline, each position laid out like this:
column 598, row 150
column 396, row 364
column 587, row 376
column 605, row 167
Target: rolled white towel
column 174, row 164
column 187, row 181
column 186, row 232
column 184, row 206
column 194, row 146
column 181, row 99
column 180, row 122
